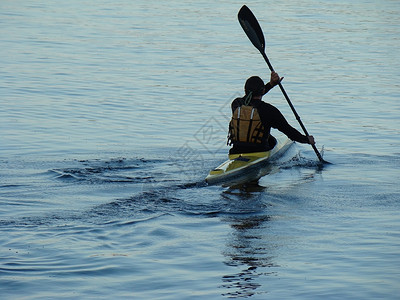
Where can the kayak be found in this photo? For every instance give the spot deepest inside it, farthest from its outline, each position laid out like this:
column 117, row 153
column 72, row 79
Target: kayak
column 246, row 167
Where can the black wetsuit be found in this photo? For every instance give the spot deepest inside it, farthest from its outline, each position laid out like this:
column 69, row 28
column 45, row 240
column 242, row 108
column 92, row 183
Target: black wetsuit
column 270, row 117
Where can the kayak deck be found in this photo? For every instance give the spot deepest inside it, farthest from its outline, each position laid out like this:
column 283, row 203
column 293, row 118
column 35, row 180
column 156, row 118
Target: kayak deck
column 247, row 166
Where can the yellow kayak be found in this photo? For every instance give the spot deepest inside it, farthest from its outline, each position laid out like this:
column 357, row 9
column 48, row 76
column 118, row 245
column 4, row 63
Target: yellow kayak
column 241, row 168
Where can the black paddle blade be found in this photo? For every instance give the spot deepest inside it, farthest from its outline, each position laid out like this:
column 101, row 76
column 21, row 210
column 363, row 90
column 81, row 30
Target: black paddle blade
column 251, row 27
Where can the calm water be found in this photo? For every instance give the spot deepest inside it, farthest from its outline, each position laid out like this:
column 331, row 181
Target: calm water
column 113, row 112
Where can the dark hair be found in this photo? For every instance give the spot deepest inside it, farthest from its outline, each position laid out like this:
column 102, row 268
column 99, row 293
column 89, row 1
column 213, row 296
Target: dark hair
column 255, row 85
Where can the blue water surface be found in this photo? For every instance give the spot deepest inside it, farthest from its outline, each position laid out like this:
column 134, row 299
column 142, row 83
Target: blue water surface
column 112, row 114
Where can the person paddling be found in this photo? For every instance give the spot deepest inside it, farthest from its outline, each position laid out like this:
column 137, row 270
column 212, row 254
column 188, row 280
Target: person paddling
column 252, row 119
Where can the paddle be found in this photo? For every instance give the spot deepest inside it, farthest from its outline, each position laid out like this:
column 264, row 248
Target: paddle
column 254, row 32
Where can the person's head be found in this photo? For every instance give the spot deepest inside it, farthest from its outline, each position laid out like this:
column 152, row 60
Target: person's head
column 255, row 85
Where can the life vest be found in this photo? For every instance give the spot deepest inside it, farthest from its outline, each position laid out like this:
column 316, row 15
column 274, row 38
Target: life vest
column 246, row 127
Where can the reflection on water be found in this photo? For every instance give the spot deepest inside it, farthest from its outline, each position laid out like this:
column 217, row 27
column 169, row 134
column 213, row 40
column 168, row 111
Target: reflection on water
column 252, row 247
column 249, row 187
column 249, row 253
column 249, row 249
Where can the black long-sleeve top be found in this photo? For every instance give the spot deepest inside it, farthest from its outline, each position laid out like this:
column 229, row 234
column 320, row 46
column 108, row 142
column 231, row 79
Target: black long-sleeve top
column 272, row 117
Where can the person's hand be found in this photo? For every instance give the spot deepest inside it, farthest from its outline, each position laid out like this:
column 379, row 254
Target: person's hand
column 311, row 140
column 275, row 79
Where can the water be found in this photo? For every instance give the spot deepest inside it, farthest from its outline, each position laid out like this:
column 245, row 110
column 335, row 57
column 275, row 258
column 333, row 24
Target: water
column 112, row 113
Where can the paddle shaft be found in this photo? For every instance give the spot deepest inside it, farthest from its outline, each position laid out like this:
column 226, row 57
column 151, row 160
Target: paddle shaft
column 252, row 28
column 291, row 106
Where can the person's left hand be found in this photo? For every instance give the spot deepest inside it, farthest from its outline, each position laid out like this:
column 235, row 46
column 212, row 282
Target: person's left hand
column 275, row 79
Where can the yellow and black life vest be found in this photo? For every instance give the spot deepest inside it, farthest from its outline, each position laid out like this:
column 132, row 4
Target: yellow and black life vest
column 246, row 127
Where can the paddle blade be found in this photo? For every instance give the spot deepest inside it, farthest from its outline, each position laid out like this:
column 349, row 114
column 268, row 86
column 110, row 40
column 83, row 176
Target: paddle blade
column 252, row 28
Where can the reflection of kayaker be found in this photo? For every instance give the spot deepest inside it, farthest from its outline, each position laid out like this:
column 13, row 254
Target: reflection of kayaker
column 252, row 119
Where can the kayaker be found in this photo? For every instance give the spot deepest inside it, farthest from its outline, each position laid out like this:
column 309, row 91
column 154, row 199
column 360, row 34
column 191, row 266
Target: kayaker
column 252, row 119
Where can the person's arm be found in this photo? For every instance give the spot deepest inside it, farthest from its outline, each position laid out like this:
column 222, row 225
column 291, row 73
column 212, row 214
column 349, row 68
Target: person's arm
column 267, row 87
column 274, row 80
column 279, row 122
column 235, row 104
